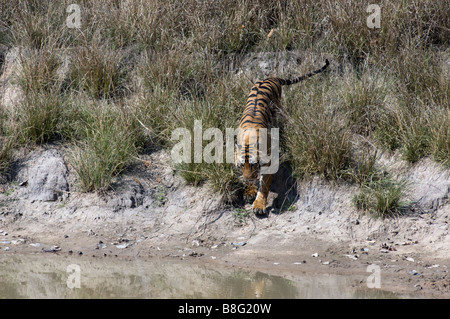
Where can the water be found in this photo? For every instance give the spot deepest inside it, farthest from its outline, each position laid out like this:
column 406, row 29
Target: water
column 53, row 276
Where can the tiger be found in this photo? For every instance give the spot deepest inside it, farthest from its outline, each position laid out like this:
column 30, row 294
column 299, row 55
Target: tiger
column 262, row 103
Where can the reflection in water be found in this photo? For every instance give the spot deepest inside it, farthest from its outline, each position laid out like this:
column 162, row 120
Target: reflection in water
column 53, row 276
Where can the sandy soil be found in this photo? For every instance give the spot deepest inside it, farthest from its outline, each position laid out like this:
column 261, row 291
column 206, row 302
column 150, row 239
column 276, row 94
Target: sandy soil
column 152, row 214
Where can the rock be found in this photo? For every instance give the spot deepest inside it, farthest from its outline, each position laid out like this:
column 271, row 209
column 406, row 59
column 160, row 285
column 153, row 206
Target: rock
column 433, row 266
column 129, row 195
column 354, row 257
column 195, row 254
column 125, row 245
column 101, row 245
column 315, row 255
column 430, row 184
column 52, row 249
column 35, row 245
column 46, row 175
column 414, row 272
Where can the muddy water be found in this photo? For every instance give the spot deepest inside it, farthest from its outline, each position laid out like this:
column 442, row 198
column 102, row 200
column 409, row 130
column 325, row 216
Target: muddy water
column 52, row 276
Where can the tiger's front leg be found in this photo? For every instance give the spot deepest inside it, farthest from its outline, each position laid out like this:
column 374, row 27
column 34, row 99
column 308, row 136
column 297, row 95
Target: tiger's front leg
column 260, row 203
column 250, row 192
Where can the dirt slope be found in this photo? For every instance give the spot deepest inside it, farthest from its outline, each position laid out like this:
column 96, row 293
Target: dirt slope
column 151, row 213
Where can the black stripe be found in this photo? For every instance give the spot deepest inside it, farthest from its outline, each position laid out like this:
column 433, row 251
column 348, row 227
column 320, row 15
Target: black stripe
column 269, row 95
column 252, row 122
column 263, row 105
column 264, row 113
column 264, row 88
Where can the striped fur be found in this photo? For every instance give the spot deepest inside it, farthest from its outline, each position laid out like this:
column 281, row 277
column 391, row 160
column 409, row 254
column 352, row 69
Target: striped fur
column 262, row 103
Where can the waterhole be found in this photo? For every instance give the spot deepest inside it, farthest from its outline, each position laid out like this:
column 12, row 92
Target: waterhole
column 53, row 276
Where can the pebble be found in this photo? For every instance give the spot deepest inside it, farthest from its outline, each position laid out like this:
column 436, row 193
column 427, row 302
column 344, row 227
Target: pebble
column 315, row 255
column 35, row 245
column 433, row 266
column 52, row 249
column 241, row 243
column 101, row 245
column 414, row 272
column 354, row 257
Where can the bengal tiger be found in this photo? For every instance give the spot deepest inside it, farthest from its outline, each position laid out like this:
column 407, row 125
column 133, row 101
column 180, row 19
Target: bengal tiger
column 262, row 103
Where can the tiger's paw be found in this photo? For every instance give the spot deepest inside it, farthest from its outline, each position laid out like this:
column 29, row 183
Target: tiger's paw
column 259, row 207
column 250, row 192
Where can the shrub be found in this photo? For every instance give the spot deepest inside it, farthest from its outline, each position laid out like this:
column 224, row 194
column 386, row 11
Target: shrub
column 382, row 196
column 107, row 141
column 98, row 71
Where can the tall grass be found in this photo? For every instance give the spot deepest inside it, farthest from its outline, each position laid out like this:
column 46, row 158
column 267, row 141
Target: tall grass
column 106, row 137
column 7, row 143
column 169, row 63
column 38, row 115
column 98, row 71
column 317, row 139
column 382, row 196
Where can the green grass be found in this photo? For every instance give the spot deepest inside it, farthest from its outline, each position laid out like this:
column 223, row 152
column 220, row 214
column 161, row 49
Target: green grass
column 98, row 71
column 316, row 139
column 382, row 196
column 105, row 139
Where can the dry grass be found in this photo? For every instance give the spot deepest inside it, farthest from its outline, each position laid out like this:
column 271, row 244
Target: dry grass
column 168, row 62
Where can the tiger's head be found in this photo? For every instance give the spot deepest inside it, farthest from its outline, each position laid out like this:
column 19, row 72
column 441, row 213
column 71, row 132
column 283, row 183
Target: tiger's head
column 246, row 155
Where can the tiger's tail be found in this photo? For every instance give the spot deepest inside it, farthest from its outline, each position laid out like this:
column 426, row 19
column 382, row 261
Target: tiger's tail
column 304, row 77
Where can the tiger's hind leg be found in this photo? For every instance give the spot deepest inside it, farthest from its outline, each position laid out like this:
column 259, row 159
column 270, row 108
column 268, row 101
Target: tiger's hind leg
column 260, row 203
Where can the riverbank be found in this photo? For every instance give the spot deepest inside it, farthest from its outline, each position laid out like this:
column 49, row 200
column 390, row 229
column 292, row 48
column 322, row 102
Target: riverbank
column 152, row 214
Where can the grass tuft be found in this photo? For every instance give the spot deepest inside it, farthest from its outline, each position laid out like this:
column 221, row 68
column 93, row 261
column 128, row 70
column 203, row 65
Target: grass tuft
column 382, row 196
